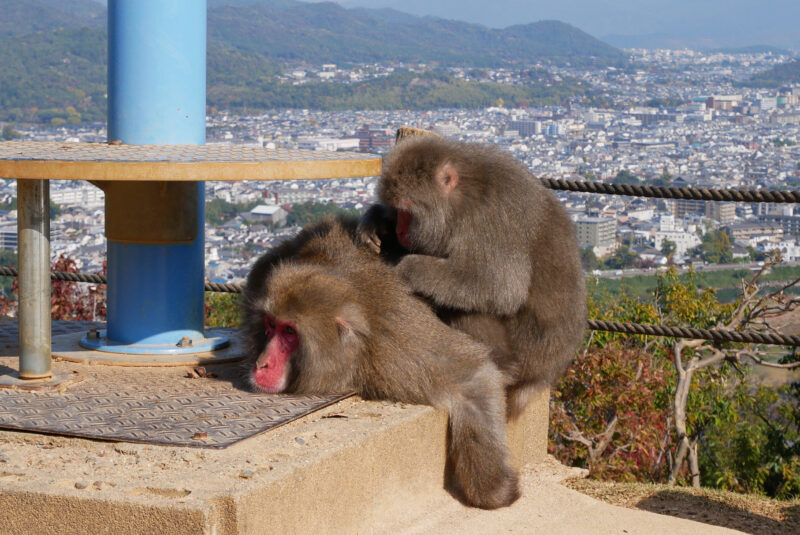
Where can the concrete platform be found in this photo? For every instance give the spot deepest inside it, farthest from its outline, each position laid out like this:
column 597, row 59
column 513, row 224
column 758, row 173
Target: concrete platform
column 344, row 469
column 352, row 467
column 348, row 468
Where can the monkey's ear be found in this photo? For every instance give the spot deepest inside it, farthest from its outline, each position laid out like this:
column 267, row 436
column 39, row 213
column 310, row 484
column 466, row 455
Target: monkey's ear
column 447, row 176
column 351, row 321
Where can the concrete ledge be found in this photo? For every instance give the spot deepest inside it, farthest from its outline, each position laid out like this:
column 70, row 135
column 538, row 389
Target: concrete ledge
column 349, row 468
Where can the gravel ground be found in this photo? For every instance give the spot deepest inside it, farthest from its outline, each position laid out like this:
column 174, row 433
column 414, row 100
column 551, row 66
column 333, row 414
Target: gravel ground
column 747, row 513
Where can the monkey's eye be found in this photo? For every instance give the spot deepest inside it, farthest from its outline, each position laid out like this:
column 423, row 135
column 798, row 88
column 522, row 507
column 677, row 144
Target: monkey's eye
column 269, row 326
column 289, row 330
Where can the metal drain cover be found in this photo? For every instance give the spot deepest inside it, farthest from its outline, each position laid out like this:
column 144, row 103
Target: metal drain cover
column 147, row 405
column 162, row 416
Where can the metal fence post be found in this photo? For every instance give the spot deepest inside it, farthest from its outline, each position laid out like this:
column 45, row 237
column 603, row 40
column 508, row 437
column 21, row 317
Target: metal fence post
column 33, row 231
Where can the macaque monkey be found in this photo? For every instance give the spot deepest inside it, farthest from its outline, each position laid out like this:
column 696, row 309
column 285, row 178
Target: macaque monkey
column 323, row 316
column 491, row 248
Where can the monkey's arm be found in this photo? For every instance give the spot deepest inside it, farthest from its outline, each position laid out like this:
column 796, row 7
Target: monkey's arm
column 373, row 226
column 498, row 285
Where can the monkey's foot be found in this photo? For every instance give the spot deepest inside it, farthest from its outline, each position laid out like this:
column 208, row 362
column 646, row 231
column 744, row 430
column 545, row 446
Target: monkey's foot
column 503, row 494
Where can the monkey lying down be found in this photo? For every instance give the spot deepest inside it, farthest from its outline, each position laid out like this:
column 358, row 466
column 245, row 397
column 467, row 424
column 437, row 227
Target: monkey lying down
column 322, row 315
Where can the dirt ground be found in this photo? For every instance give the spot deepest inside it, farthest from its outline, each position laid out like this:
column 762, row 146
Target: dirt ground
column 750, row 514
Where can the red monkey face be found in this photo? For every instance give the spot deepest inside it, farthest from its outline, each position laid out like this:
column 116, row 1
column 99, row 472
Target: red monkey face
column 271, row 371
column 403, row 227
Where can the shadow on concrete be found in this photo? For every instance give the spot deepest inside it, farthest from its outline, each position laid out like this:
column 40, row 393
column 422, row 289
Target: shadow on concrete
column 717, row 513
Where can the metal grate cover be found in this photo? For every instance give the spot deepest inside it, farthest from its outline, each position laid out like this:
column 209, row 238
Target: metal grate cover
column 103, row 152
column 158, row 416
column 156, row 406
column 100, row 161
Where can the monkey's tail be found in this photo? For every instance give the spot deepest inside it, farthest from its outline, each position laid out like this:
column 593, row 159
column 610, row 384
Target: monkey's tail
column 478, row 451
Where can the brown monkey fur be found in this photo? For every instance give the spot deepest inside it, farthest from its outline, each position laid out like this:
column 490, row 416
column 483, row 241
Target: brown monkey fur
column 360, row 328
column 492, row 249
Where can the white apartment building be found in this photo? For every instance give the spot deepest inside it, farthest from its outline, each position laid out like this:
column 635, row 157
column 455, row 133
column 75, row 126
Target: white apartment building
column 684, row 239
column 87, row 196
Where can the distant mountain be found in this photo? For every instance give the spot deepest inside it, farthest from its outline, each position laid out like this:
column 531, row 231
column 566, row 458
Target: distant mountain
column 44, row 74
column 19, row 17
column 53, row 69
column 275, row 4
column 327, row 33
column 288, row 30
column 706, row 23
column 783, row 74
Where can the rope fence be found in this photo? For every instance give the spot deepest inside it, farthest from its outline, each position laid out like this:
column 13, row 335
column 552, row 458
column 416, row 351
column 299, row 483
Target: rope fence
column 667, row 192
column 662, row 192
column 101, row 279
column 716, row 335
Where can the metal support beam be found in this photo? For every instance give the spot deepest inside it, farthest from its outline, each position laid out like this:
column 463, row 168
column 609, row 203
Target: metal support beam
column 33, row 231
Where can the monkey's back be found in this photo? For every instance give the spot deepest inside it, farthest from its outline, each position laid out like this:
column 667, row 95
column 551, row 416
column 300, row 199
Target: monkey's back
column 518, row 214
column 550, row 326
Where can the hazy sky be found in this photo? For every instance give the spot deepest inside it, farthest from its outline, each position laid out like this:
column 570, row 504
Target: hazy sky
column 726, row 22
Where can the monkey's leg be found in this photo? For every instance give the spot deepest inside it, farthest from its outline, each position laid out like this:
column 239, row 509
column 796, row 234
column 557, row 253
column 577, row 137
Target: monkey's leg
column 478, row 450
column 488, row 330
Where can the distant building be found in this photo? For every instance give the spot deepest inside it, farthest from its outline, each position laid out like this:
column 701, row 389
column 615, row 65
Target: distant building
column 269, row 214
column 724, row 212
column 790, row 251
column 683, row 240
column 333, row 144
column 789, row 223
column 291, row 195
column 670, row 230
column 554, row 129
column 445, row 129
column 596, row 232
column 526, row 127
column 86, row 196
column 374, row 139
column 767, row 103
column 723, row 102
column 8, row 235
column 683, row 207
column 743, row 232
column 8, row 238
column 654, row 146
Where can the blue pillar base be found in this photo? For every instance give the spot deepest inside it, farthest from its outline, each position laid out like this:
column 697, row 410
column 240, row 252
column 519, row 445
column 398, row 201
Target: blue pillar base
column 184, row 346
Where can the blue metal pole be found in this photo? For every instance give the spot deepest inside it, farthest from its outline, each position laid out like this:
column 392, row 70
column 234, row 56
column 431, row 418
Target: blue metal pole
column 156, row 95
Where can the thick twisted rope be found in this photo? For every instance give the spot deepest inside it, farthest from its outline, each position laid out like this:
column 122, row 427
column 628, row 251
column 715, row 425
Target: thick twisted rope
column 227, row 287
column 664, row 192
column 101, row 279
column 715, row 335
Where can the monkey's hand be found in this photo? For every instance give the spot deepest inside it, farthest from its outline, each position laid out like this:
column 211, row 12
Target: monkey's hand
column 373, row 224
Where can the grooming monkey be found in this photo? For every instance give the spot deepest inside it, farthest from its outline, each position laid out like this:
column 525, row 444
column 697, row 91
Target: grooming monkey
column 324, row 316
column 491, row 248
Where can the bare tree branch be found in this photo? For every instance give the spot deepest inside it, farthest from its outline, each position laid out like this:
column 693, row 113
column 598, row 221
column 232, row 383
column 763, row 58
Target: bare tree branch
column 761, row 362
